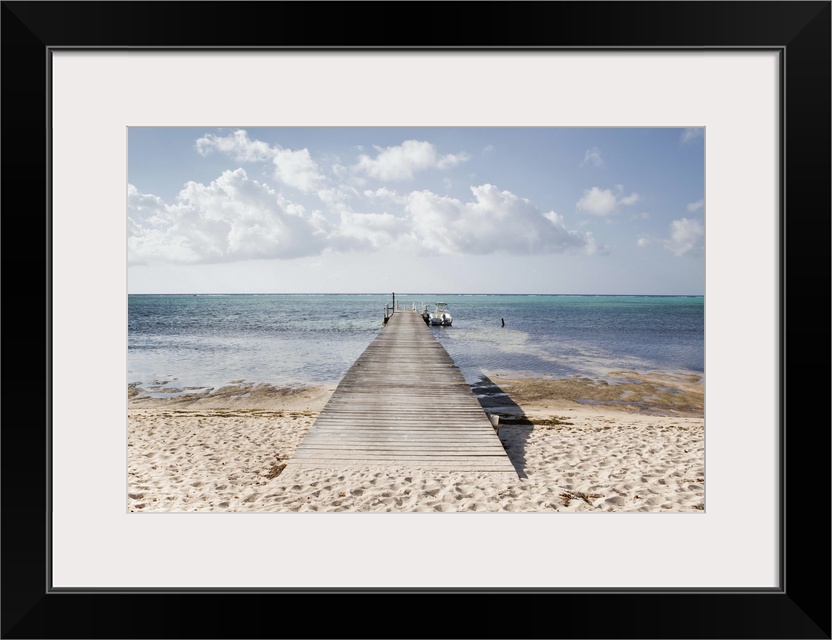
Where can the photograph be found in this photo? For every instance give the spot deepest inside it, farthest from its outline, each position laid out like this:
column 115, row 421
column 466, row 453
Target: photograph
column 423, row 311
column 461, row 319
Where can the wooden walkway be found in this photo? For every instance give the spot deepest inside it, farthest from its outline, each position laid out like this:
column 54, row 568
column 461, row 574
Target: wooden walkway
column 404, row 403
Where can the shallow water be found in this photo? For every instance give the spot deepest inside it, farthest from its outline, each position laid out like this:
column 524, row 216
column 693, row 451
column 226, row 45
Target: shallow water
column 181, row 341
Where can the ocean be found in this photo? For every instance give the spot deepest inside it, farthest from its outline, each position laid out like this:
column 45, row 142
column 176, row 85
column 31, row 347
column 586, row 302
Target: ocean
column 208, row 341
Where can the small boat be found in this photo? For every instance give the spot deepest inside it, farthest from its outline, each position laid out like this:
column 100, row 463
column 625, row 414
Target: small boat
column 440, row 316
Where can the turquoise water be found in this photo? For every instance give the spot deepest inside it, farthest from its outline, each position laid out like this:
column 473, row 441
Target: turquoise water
column 212, row 340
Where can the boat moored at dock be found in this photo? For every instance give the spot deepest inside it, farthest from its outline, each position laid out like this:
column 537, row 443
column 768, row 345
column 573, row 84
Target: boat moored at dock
column 440, row 316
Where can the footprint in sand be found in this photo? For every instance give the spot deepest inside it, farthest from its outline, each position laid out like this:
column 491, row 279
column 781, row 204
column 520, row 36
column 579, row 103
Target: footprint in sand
column 432, row 489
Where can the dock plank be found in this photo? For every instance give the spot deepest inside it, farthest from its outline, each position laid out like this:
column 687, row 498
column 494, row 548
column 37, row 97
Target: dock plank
column 404, row 403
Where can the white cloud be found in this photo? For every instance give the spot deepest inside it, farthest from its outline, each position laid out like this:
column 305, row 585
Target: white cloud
column 695, row 206
column 294, row 168
column 143, row 206
column 236, row 145
column 233, row 218
column 336, row 199
column 603, row 202
column 401, row 162
column 692, row 133
column 451, row 160
column 297, row 169
column 237, row 218
column 685, row 236
column 368, row 230
column 494, row 221
column 598, row 202
column 341, row 172
column 383, row 193
column 592, row 157
column 592, row 247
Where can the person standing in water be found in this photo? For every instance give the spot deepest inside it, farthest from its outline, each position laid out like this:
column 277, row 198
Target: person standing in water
column 503, row 320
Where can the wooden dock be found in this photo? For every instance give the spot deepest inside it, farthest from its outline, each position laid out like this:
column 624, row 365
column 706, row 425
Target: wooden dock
column 404, row 403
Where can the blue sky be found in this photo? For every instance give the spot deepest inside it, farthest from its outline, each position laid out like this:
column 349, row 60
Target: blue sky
column 427, row 210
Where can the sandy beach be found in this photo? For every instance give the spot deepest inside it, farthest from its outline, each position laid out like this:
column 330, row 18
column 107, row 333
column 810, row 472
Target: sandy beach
column 633, row 442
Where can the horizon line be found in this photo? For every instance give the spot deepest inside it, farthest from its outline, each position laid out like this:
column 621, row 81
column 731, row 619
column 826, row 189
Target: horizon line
column 411, row 293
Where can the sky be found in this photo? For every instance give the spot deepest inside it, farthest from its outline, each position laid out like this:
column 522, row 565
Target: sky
column 416, row 210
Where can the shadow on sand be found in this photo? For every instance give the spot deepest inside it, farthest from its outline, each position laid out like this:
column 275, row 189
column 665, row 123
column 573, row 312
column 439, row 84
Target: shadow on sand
column 514, row 427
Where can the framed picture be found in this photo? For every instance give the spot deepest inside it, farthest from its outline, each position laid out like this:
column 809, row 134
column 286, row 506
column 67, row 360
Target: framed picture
column 751, row 80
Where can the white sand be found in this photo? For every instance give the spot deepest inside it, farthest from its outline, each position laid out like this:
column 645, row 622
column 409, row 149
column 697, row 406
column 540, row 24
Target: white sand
column 227, row 453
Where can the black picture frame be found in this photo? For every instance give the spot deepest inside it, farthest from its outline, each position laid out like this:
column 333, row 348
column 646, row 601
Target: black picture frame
column 799, row 608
